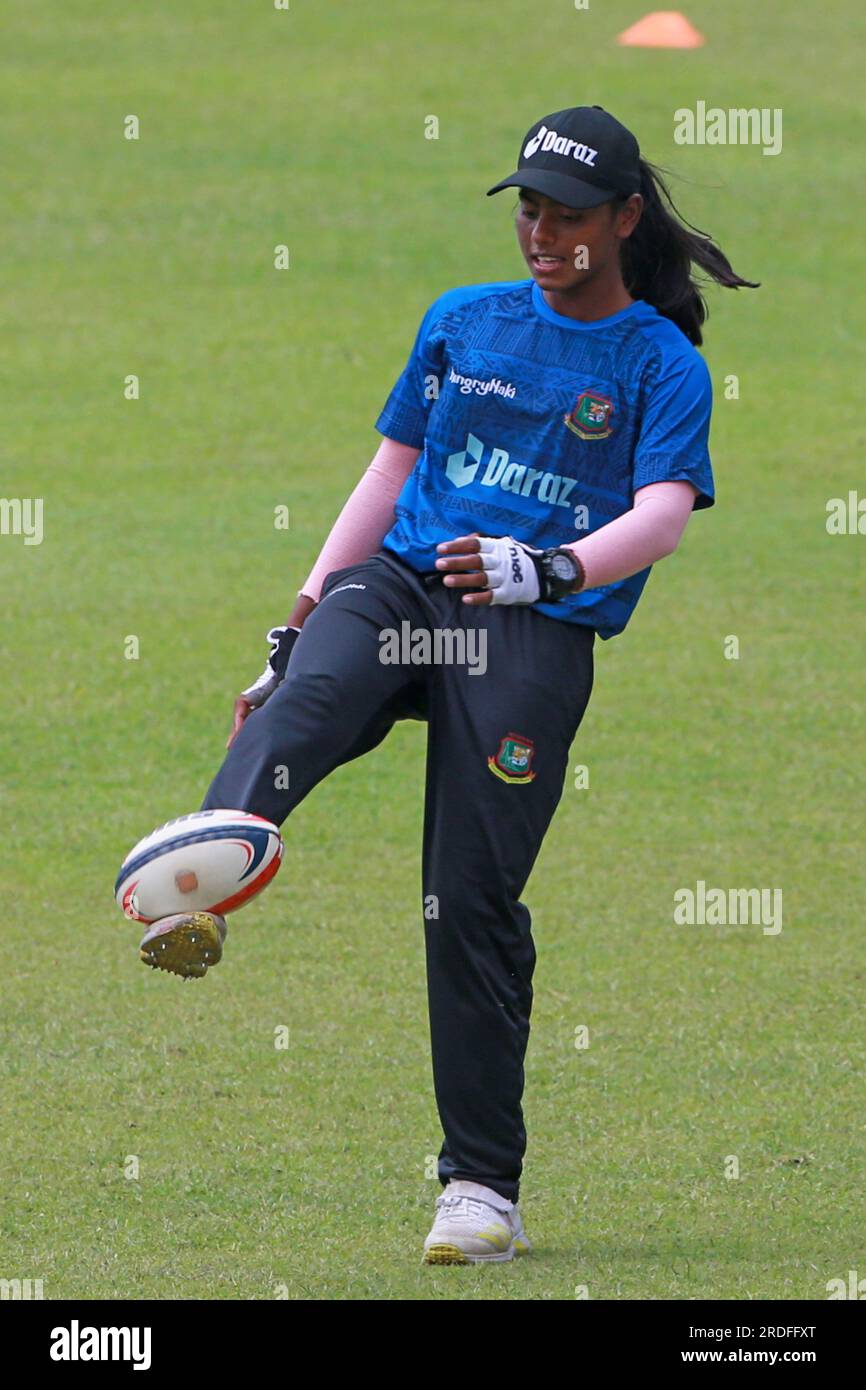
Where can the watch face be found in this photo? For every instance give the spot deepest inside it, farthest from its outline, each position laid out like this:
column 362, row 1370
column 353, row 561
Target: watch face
column 563, row 567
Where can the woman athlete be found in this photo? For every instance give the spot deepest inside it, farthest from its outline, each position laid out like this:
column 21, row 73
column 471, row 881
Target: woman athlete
column 544, row 446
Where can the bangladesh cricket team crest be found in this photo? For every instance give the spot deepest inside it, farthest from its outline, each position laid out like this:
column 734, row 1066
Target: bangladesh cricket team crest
column 513, row 761
column 590, row 418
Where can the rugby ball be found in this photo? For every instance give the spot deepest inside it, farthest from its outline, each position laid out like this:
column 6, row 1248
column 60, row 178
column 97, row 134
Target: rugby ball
column 211, row 861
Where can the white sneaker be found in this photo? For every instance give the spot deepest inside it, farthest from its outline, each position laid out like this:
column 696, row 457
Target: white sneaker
column 474, row 1225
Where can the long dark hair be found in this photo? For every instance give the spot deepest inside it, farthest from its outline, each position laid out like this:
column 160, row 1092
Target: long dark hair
column 658, row 257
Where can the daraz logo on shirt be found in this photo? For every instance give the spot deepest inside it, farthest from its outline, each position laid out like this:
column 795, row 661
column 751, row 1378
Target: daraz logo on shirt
column 462, row 468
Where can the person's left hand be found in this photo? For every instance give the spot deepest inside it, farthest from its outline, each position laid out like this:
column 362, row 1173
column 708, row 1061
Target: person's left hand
column 501, row 567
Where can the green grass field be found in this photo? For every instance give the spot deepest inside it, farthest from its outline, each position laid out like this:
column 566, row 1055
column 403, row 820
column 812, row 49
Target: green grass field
column 304, row 1169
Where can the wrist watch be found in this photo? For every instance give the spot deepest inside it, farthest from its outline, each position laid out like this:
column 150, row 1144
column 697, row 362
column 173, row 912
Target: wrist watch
column 560, row 573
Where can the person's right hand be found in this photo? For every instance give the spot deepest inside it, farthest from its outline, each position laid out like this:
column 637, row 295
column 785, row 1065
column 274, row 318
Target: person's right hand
column 242, row 709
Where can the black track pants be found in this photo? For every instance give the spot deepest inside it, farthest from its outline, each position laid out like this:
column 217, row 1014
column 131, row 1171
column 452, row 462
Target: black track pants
column 497, row 754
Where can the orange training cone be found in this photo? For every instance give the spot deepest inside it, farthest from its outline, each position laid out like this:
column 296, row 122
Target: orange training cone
column 662, row 29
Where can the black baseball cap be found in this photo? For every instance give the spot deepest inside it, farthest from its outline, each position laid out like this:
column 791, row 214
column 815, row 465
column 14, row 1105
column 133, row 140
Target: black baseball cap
column 580, row 157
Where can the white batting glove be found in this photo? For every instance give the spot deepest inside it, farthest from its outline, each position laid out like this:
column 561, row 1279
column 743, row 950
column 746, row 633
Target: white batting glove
column 511, row 571
column 282, row 639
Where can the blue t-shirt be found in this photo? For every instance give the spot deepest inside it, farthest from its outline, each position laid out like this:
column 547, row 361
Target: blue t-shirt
column 542, row 427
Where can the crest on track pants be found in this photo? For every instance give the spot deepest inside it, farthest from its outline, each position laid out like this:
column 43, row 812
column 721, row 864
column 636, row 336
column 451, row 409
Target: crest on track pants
column 513, row 759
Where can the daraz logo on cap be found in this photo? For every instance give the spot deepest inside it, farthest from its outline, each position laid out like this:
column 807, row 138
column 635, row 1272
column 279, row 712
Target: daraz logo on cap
column 546, row 139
